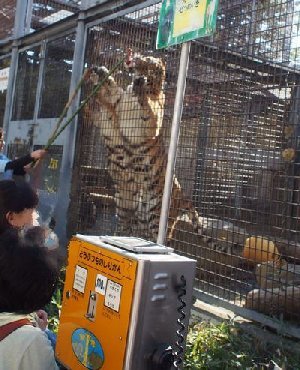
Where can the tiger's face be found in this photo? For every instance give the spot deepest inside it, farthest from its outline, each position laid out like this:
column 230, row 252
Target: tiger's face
column 149, row 76
column 141, row 109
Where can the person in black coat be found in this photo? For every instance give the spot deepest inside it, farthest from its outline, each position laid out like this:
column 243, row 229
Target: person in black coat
column 17, row 167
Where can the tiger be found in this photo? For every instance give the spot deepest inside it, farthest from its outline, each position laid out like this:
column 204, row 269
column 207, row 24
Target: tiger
column 130, row 122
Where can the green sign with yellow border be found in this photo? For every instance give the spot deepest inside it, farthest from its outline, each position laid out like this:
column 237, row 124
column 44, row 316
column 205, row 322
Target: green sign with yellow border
column 185, row 20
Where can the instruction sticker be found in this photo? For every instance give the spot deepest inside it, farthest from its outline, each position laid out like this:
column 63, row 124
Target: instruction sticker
column 101, row 282
column 80, row 279
column 113, row 295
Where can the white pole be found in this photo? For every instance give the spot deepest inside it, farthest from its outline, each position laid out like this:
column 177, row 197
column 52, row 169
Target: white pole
column 178, row 105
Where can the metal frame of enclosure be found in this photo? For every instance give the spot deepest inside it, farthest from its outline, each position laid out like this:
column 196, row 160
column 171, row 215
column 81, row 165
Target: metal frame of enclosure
column 231, row 143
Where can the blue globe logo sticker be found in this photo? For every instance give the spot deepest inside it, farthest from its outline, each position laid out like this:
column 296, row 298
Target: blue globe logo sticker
column 87, row 349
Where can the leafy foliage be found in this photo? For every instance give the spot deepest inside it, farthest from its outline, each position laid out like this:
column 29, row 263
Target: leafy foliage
column 54, row 307
column 225, row 346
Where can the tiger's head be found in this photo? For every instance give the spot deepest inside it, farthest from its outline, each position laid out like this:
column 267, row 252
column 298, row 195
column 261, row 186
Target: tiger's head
column 149, row 76
column 142, row 109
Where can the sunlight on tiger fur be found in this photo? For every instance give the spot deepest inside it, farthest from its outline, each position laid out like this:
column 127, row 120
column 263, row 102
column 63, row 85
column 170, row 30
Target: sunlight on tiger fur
column 130, row 122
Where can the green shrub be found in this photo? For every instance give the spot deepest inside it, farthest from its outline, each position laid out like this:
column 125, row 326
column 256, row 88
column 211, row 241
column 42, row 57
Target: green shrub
column 226, row 346
column 54, row 307
column 216, row 347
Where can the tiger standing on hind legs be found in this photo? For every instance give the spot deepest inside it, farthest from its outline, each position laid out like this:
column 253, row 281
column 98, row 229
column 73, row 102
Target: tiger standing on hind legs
column 130, row 122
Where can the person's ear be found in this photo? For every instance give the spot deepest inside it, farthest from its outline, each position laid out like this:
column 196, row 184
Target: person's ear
column 10, row 217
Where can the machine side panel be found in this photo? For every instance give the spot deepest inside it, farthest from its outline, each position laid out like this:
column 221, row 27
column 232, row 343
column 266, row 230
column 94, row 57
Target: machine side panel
column 158, row 324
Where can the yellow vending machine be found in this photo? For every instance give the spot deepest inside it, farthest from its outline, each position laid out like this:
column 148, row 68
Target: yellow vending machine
column 126, row 305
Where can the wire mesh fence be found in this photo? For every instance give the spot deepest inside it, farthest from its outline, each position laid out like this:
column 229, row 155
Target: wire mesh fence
column 243, row 179
column 26, row 84
column 246, row 174
column 51, row 63
column 235, row 199
column 114, row 159
column 56, row 76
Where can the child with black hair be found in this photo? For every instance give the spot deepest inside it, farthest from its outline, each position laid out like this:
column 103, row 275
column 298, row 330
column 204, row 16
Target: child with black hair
column 18, row 202
column 28, row 276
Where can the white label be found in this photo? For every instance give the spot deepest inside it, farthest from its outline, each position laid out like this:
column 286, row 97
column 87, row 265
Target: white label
column 80, row 279
column 100, row 284
column 113, row 295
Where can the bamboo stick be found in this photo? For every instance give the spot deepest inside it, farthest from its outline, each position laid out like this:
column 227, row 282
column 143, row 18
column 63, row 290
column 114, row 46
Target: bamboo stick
column 58, row 130
column 69, row 102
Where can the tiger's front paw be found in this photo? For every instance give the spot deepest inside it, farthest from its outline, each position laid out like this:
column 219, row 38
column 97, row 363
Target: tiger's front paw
column 101, row 74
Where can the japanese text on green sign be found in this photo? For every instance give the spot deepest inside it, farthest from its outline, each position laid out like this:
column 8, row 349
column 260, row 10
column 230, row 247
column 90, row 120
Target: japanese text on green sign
column 185, row 20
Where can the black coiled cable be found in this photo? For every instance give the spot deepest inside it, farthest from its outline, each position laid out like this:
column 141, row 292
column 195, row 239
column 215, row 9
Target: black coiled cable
column 178, row 362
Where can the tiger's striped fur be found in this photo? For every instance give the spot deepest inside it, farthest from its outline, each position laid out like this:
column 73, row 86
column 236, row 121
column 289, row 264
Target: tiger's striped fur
column 130, row 122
